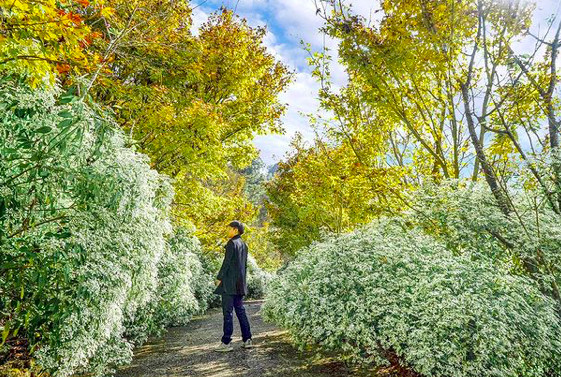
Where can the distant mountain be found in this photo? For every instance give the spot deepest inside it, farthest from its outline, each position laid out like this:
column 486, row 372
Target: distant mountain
column 272, row 170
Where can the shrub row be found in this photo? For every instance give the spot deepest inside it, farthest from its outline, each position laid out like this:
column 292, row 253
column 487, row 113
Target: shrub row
column 390, row 292
column 90, row 263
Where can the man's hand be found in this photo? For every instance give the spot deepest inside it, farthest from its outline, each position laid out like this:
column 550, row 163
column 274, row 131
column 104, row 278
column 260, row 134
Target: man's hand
column 216, row 282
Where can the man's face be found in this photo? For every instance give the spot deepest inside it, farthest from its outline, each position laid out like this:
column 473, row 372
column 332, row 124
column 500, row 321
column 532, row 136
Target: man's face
column 232, row 231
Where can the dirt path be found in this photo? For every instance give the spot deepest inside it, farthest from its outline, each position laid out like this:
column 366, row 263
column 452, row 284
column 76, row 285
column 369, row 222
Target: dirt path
column 188, row 351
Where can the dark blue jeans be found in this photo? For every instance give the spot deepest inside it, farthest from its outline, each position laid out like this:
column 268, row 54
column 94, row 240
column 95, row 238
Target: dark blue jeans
column 230, row 302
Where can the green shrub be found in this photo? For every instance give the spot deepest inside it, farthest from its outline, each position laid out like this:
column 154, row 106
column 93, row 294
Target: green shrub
column 463, row 215
column 84, row 221
column 184, row 289
column 389, row 289
column 257, row 278
column 201, row 279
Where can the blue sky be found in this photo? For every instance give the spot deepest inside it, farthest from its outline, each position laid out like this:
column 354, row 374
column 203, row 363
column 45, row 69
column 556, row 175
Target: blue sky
column 290, row 21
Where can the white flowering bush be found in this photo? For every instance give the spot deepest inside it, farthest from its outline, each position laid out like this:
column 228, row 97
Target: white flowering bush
column 184, row 289
column 465, row 217
column 189, row 256
column 257, row 278
column 391, row 293
column 87, row 270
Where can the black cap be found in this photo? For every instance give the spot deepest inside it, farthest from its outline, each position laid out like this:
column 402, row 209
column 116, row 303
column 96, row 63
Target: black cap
column 237, row 224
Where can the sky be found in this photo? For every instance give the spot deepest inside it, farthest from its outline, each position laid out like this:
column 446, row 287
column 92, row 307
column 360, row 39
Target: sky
column 288, row 23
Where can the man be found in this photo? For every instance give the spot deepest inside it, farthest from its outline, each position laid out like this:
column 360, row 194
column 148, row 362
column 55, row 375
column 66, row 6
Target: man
column 232, row 285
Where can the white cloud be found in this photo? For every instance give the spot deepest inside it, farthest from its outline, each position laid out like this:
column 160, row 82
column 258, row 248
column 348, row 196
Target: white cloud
column 198, row 17
column 299, row 22
column 301, row 98
column 299, row 19
column 544, row 10
column 273, row 148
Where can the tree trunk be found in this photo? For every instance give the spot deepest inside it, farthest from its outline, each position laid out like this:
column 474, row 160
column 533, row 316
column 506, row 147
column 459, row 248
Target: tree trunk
column 488, row 171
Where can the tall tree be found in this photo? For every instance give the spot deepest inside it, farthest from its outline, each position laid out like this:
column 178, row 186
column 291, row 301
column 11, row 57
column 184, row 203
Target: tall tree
column 192, row 102
column 39, row 38
column 325, row 188
column 447, row 76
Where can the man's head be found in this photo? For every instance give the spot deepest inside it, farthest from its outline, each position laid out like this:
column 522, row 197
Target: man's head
column 234, row 228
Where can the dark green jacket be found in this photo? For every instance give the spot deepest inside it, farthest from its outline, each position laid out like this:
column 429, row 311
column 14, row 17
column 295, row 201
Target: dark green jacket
column 232, row 274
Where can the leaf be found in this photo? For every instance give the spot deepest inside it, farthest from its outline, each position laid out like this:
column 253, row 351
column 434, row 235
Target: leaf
column 107, row 12
column 44, row 130
column 65, row 114
column 66, row 99
column 63, row 235
column 25, row 145
column 66, row 123
column 2, row 208
column 5, row 333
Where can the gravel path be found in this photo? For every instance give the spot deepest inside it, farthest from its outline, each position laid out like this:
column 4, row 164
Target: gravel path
column 188, row 351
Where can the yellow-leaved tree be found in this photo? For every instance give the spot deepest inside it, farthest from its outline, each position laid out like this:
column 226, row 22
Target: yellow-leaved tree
column 192, row 101
column 41, row 38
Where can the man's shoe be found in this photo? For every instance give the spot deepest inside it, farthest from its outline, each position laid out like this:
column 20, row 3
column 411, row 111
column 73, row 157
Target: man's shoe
column 248, row 344
column 224, row 347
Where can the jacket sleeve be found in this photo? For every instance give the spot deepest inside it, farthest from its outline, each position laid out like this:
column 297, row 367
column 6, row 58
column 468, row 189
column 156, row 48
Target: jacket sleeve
column 246, row 257
column 228, row 259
